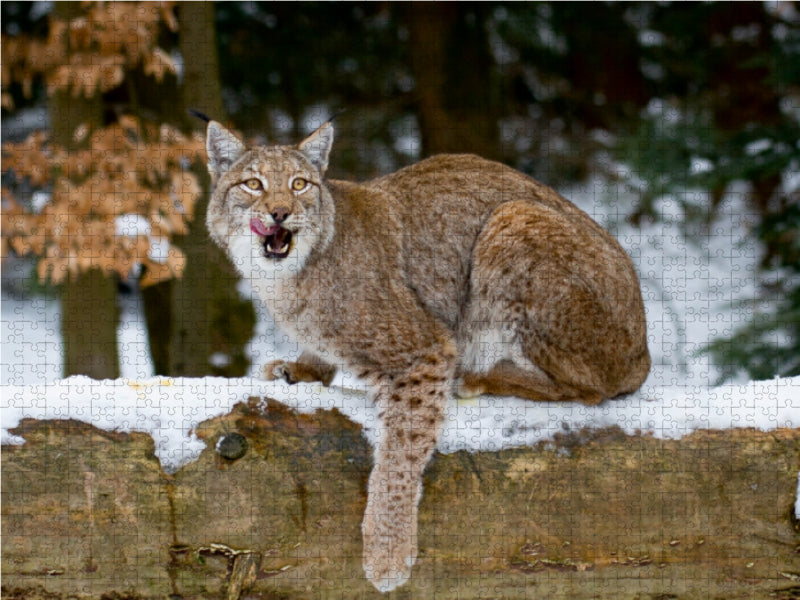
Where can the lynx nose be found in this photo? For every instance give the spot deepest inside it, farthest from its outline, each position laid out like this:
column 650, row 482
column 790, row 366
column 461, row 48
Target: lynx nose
column 280, row 214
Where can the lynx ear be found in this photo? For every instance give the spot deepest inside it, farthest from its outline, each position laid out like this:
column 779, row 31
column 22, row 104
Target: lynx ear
column 317, row 146
column 222, row 148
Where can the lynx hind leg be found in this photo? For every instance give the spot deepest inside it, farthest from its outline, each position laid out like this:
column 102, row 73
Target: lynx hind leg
column 522, row 311
column 530, row 383
column 411, row 412
column 308, row 368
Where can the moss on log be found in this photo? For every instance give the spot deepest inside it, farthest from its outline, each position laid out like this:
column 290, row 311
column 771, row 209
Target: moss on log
column 596, row 514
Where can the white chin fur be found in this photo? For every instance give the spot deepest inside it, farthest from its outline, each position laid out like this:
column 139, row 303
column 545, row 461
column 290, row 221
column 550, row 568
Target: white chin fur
column 247, row 253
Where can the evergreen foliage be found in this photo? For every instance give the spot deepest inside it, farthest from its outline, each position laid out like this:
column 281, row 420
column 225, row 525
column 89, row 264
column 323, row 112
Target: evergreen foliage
column 725, row 111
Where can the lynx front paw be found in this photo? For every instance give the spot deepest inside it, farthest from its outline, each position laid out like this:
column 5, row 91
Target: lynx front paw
column 279, row 370
column 387, row 561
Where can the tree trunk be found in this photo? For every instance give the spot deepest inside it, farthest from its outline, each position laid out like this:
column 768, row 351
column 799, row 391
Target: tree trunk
column 89, row 317
column 88, row 301
column 157, row 308
column 452, row 66
column 201, row 87
column 209, row 319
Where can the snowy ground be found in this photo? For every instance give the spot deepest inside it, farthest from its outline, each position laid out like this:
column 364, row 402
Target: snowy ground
column 688, row 287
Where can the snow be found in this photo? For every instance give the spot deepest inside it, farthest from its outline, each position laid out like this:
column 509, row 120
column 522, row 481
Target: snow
column 690, row 285
column 701, row 165
column 133, row 225
column 757, row 147
column 170, row 409
column 797, row 500
column 219, row 360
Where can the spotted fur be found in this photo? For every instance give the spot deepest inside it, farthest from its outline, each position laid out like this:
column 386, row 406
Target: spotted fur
column 456, row 274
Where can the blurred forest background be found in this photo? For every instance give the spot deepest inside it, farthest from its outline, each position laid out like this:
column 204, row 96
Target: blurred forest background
column 678, row 100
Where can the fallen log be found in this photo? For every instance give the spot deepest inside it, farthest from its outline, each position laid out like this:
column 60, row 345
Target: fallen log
column 593, row 514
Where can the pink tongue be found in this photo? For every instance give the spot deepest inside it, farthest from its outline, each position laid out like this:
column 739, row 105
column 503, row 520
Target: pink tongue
column 257, row 227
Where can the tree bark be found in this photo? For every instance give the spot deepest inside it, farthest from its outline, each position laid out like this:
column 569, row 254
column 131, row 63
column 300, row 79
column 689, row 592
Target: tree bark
column 89, row 310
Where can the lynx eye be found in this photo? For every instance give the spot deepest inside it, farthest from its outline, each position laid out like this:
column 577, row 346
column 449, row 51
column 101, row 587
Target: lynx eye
column 299, row 184
column 253, row 184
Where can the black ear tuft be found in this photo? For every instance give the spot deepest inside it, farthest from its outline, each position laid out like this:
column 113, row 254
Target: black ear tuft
column 336, row 114
column 199, row 115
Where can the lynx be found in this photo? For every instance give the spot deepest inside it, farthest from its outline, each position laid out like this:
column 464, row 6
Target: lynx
column 456, row 275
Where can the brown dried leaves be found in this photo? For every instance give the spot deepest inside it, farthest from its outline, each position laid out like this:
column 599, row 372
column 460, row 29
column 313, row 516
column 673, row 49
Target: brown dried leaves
column 117, row 174
column 91, row 53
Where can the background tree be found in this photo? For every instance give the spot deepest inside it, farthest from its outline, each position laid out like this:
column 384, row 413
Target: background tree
column 198, row 323
column 118, row 188
column 88, row 297
column 454, row 92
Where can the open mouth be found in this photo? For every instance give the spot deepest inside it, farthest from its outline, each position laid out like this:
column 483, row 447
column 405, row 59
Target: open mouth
column 277, row 239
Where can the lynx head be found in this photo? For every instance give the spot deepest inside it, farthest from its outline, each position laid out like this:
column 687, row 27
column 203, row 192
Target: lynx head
column 270, row 208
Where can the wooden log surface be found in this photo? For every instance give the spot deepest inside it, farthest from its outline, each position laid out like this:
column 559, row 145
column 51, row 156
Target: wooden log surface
column 594, row 514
